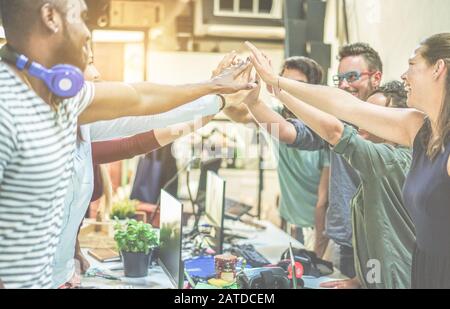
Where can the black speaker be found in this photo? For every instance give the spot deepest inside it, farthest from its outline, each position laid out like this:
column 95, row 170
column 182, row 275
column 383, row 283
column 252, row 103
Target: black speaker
column 315, row 18
column 320, row 52
column 295, row 44
column 304, row 23
column 98, row 13
column 294, row 9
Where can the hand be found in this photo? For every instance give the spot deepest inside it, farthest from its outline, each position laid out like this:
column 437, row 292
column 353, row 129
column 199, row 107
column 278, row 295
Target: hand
column 274, row 91
column 227, row 61
column 262, row 65
column 349, row 284
column 75, row 281
column 233, row 79
column 252, row 97
column 245, row 96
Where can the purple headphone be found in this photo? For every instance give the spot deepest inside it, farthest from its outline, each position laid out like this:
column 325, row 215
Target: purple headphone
column 63, row 80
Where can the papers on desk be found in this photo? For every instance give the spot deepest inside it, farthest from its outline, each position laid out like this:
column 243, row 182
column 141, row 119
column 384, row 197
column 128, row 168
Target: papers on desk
column 314, row 283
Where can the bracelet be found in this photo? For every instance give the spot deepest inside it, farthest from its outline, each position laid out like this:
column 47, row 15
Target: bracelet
column 224, row 102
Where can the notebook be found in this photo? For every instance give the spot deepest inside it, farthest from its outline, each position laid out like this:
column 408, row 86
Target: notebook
column 104, row 255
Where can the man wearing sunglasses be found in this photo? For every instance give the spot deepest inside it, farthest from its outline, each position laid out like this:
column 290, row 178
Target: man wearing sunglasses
column 356, row 82
column 359, row 73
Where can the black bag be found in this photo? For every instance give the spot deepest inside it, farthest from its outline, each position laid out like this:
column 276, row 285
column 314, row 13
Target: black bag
column 312, row 265
column 263, row 278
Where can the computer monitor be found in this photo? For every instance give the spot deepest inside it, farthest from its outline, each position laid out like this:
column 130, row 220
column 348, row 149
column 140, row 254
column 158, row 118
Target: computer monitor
column 208, row 165
column 215, row 209
column 171, row 232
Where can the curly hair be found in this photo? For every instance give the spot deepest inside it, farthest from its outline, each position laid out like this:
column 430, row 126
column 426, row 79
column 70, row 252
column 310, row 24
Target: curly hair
column 395, row 93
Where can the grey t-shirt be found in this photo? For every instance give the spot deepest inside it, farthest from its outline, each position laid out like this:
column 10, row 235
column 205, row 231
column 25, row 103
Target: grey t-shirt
column 344, row 181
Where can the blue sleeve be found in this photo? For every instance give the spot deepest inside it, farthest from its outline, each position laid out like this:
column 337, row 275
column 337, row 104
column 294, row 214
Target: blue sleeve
column 306, row 138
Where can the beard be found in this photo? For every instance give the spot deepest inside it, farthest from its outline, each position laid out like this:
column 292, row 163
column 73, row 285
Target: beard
column 368, row 92
column 72, row 50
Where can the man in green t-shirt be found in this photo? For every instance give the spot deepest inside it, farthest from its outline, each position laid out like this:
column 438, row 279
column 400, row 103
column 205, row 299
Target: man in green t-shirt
column 303, row 175
column 299, row 175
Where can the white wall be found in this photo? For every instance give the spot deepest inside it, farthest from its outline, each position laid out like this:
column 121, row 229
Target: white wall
column 188, row 67
column 395, row 27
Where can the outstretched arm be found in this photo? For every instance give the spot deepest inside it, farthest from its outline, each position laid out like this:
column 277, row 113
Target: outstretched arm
column 397, row 125
column 239, row 114
column 128, row 126
column 325, row 125
column 127, row 148
column 115, row 100
column 273, row 123
column 394, row 124
column 254, row 109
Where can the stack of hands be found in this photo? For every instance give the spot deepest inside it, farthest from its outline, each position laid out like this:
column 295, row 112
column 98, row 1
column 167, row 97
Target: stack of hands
column 251, row 71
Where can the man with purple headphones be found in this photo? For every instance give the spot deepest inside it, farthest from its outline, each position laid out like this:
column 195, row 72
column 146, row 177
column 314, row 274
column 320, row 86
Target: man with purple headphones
column 43, row 98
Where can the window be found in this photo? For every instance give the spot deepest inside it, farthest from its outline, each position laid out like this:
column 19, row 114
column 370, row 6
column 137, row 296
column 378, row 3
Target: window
column 226, row 5
column 265, row 6
column 249, row 8
column 246, row 6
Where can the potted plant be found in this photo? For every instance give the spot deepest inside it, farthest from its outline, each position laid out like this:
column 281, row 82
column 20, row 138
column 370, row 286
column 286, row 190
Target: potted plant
column 125, row 209
column 135, row 242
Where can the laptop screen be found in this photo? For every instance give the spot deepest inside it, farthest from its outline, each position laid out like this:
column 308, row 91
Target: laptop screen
column 171, row 239
column 214, row 209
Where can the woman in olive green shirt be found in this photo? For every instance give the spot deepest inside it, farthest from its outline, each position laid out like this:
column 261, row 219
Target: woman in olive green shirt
column 383, row 233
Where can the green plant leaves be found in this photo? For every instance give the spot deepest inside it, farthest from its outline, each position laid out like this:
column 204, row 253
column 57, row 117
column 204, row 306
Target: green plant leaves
column 136, row 237
column 125, row 209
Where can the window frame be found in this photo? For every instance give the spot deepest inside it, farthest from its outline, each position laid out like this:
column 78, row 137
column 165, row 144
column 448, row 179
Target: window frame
column 276, row 13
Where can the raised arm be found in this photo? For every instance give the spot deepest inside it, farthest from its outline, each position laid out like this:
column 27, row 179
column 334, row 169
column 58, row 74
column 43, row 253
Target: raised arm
column 325, row 125
column 273, row 122
column 239, row 114
column 397, row 125
column 115, row 100
column 257, row 111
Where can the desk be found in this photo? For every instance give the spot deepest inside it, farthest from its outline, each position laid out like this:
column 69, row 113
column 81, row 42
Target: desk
column 156, row 278
column 271, row 243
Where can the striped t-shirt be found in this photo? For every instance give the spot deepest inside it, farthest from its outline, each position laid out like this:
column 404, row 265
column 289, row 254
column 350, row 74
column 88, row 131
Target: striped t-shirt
column 37, row 145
